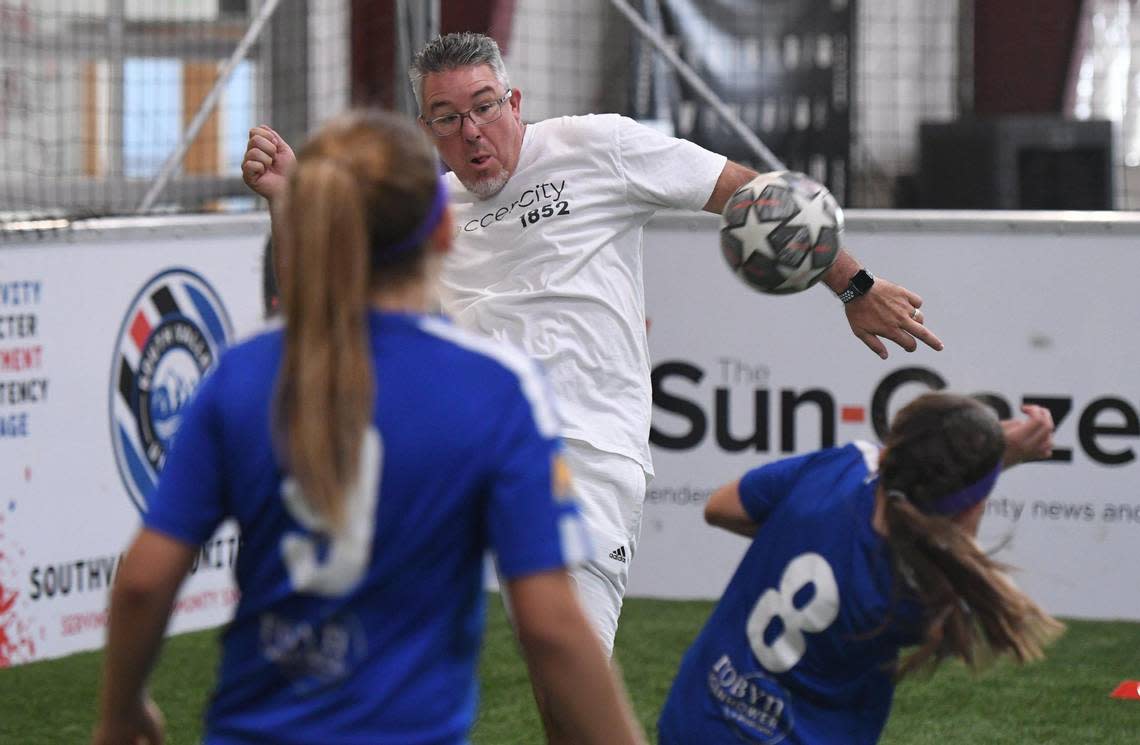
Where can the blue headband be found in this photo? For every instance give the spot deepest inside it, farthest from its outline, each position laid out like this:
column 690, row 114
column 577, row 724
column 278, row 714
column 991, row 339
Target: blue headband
column 968, row 496
column 426, row 226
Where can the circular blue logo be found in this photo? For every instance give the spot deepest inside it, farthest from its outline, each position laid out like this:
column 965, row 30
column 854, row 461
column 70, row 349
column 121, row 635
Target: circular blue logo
column 171, row 337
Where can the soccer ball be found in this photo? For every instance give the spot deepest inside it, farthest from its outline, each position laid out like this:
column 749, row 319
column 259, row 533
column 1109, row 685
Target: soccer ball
column 780, row 232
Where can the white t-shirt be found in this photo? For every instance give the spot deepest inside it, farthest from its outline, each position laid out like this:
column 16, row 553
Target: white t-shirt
column 552, row 263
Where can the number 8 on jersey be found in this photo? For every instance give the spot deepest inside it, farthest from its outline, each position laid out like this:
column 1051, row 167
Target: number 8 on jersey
column 796, row 614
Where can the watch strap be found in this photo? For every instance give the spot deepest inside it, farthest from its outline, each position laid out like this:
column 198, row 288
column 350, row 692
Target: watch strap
column 861, row 283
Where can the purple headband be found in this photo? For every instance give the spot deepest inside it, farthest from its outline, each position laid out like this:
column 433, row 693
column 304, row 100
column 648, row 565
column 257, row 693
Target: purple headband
column 966, row 497
column 428, row 224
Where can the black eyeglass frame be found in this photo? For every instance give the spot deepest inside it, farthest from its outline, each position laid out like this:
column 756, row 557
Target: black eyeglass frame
column 497, row 103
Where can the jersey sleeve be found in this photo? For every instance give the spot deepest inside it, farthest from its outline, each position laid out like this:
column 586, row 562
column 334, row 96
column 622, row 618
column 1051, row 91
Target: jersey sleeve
column 188, row 503
column 666, row 171
column 763, row 488
column 533, row 520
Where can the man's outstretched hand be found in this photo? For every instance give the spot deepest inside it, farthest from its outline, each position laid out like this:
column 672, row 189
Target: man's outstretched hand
column 890, row 311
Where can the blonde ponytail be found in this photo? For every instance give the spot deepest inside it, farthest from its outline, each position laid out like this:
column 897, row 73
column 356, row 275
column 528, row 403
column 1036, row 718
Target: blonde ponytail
column 365, row 183
column 325, row 388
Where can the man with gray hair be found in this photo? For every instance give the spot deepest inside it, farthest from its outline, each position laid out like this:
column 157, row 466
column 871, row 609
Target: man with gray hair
column 548, row 220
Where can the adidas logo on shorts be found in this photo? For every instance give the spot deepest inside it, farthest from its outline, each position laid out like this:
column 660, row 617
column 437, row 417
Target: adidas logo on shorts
column 618, row 554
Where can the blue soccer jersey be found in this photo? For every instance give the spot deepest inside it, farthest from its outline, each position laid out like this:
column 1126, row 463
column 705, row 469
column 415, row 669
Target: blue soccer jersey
column 801, row 647
column 372, row 637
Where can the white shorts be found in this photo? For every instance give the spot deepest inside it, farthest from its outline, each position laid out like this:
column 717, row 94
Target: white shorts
column 611, row 493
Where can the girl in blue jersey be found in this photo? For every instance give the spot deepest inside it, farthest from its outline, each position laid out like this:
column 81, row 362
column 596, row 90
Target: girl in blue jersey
column 856, row 554
column 370, row 453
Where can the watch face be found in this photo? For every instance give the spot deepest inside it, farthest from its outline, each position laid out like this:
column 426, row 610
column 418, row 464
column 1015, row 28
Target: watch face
column 862, row 281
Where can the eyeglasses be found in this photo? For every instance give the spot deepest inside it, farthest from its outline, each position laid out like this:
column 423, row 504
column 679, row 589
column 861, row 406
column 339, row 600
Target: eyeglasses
column 480, row 116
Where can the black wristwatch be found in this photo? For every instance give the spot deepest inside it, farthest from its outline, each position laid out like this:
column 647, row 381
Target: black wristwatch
column 860, row 284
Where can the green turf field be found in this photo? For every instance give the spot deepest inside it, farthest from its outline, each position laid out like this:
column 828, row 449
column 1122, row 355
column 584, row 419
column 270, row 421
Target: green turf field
column 1063, row 700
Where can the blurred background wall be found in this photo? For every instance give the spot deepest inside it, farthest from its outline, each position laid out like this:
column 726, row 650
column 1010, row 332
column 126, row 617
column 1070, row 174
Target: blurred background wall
column 1027, row 104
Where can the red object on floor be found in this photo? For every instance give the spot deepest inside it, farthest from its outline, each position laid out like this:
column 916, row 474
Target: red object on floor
column 1128, row 689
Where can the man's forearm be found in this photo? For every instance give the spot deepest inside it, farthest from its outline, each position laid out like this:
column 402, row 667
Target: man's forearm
column 839, row 274
column 277, row 239
column 732, row 177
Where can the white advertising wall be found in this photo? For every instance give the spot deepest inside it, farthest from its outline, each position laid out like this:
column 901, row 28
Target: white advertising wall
column 1032, row 308
column 103, row 335
column 105, row 331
